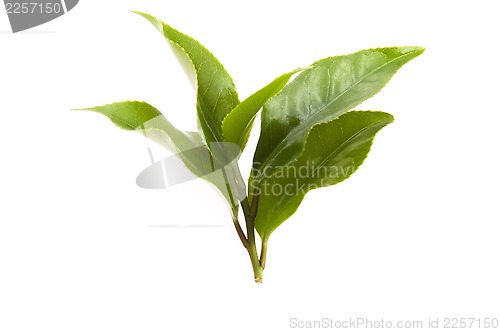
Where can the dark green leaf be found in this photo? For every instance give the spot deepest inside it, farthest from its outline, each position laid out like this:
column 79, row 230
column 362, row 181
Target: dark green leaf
column 332, row 152
column 216, row 93
column 237, row 125
column 331, row 87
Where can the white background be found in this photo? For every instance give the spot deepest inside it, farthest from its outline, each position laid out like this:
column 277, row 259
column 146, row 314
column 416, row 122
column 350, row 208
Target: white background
column 414, row 234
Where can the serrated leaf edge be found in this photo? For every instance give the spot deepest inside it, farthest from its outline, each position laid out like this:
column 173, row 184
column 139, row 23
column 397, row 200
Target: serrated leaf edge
column 275, row 152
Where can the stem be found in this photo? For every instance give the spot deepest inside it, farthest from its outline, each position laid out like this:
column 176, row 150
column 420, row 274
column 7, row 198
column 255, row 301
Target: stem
column 241, row 235
column 234, row 210
column 258, row 270
column 248, row 242
column 252, row 248
column 255, row 204
column 263, row 253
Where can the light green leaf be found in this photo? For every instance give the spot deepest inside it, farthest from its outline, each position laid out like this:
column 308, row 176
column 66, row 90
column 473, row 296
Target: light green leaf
column 127, row 115
column 188, row 146
column 332, row 152
column 331, row 87
column 237, row 125
column 141, row 116
column 216, row 93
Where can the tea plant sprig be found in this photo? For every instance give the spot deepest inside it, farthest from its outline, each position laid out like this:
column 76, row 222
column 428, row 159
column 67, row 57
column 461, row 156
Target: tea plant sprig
column 307, row 124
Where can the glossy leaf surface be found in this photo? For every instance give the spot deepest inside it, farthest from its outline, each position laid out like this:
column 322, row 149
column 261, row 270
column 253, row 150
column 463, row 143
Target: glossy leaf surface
column 237, row 125
column 216, row 93
column 331, row 87
column 188, row 146
column 332, row 152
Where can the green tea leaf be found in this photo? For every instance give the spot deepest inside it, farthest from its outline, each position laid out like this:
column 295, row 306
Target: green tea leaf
column 188, row 146
column 309, row 137
column 216, row 93
column 332, row 152
column 237, row 125
column 141, row 116
column 331, row 87
column 128, row 115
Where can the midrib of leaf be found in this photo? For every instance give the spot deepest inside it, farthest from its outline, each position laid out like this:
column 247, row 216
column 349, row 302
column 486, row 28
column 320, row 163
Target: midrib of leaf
column 298, row 129
column 332, row 154
column 345, row 143
column 352, row 137
column 210, row 122
column 210, row 125
column 210, row 116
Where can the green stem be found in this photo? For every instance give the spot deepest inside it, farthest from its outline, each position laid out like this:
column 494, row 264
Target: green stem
column 258, row 270
column 249, row 241
column 263, row 253
column 241, row 235
column 255, row 204
column 252, row 248
column 234, row 210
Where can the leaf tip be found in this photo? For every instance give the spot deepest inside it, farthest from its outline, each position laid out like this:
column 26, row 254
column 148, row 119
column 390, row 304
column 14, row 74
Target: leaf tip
column 413, row 49
column 153, row 20
column 390, row 117
column 138, row 12
column 81, row 109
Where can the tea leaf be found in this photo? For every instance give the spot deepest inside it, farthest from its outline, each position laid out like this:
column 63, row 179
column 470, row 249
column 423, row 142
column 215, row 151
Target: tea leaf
column 332, row 152
column 216, row 93
column 189, row 147
column 331, row 87
column 237, row 125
